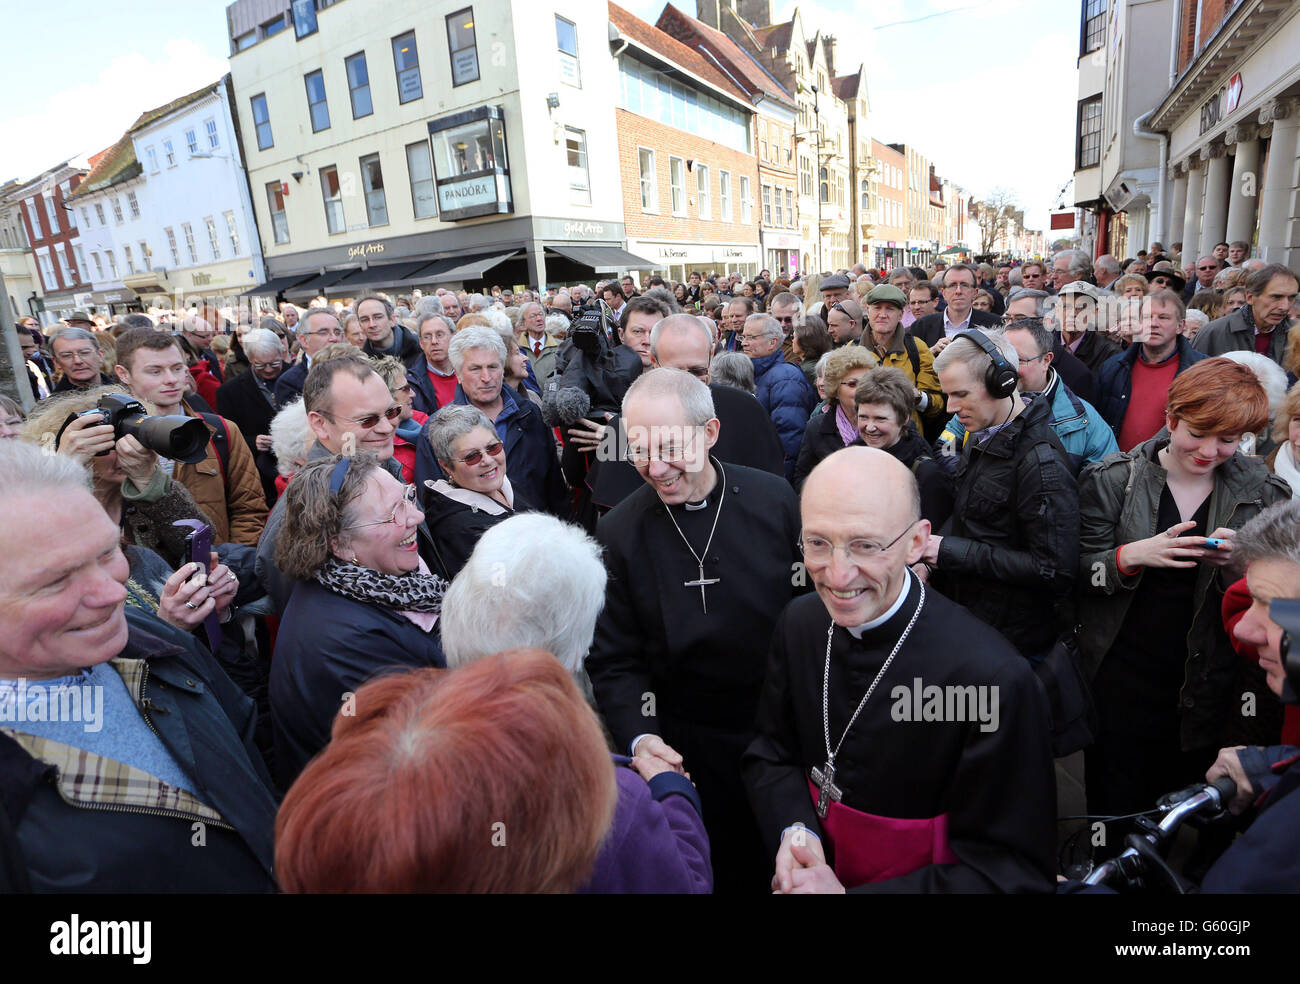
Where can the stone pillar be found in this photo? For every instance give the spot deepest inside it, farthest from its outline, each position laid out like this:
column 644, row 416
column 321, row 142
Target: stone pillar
column 1214, row 221
column 1279, row 235
column 535, row 257
column 1246, row 179
column 1191, row 237
column 1175, row 209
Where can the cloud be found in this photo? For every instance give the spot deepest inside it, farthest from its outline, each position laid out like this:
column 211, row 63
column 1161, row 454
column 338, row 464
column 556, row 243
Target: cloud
column 87, row 118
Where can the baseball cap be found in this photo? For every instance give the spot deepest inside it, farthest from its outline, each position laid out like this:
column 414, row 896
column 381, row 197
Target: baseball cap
column 1082, row 287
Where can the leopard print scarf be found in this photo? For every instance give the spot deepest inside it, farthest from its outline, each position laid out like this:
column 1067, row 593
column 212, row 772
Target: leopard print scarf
column 413, row 592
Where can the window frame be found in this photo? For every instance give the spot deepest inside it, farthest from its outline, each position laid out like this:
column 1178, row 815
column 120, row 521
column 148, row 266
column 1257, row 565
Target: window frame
column 214, row 241
column 568, row 59
column 145, row 256
column 171, row 245
column 1082, row 139
column 319, row 75
column 191, row 141
column 366, row 193
column 212, row 133
column 724, row 196
column 272, row 189
column 472, row 46
column 1092, row 27
column 264, row 122
column 576, row 192
column 191, row 246
column 398, row 72
column 169, row 151
column 327, row 200
column 354, row 89
column 746, row 202
column 232, row 230
column 677, row 186
column 432, row 180
column 703, row 193
column 133, row 204
column 766, row 192
column 650, row 194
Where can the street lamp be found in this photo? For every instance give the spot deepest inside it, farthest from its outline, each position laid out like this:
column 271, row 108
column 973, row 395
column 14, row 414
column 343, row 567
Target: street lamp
column 817, row 186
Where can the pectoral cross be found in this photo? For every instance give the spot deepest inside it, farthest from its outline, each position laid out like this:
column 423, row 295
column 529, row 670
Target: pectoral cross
column 826, row 788
column 701, row 582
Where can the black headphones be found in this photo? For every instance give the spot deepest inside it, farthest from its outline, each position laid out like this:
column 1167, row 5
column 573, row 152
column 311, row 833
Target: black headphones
column 1000, row 379
column 1286, row 613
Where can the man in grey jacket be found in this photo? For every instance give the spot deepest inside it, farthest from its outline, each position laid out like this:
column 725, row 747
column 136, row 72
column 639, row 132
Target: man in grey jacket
column 1259, row 325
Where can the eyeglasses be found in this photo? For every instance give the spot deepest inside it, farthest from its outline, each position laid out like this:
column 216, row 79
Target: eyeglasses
column 328, row 332
column 84, row 355
column 820, row 551
column 404, row 388
column 948, row 286
column 369, row 420
column 474, row 457
column 1040, row 355
column 259, row 366
column 407, row 500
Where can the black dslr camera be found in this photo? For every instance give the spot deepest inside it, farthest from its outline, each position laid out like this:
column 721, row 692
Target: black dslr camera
column 175, row 436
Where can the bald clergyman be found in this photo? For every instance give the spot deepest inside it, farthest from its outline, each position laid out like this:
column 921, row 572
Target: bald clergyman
column 938, row 779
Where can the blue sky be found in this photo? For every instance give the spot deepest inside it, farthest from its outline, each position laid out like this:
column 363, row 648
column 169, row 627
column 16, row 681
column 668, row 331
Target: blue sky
column 959, row 84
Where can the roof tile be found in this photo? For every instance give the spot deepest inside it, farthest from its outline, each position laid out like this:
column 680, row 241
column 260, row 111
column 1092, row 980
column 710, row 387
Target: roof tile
column 673, row 51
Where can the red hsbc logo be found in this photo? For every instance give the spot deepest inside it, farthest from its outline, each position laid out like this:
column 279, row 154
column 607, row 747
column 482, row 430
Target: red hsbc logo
column 1234, row 94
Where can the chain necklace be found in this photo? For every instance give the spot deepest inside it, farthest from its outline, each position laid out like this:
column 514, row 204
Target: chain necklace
column 702, row 582
column 824, row 778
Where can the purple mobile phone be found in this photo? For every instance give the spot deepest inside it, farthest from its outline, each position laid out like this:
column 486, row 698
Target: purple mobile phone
column 198, row 544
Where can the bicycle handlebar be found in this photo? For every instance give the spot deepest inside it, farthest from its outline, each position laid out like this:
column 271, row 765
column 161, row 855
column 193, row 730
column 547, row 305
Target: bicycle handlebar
column 1208, row 798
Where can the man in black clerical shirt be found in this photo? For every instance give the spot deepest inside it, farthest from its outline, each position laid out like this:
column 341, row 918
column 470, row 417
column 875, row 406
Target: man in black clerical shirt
column 701, row 561
column 937, row 780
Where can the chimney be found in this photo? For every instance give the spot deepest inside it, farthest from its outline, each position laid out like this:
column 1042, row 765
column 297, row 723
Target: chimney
column 828, row 45
column 756, row 13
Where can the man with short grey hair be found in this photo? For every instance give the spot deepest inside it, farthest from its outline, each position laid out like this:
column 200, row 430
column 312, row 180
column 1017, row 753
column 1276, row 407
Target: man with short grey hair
column 1106, row 271
column 1068, row 266
column 249, row 402
column 780, row 387
column 478, row 355
column 77, row 352
column 318, row 327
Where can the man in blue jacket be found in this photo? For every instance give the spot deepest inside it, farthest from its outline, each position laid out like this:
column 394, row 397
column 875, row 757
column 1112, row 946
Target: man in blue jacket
column 782, row 388
column 479, row 356
column 1084, row 434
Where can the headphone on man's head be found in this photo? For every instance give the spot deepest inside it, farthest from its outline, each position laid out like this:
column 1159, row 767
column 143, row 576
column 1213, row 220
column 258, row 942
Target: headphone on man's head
column 1001, row 378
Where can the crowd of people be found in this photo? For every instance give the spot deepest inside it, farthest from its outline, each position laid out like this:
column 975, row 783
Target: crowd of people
column 733, row 584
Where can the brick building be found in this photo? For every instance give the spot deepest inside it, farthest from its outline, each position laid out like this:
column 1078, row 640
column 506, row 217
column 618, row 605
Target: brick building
column 686, row 156
column 55, row 239
column 889, row 248
column 776, row 117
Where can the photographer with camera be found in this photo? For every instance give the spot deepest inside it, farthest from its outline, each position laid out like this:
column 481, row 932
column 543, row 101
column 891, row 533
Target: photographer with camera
column 225, row 483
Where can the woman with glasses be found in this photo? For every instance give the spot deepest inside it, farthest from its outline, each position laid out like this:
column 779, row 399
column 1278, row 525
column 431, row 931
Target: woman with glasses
column 411, row 423
column 475, row 495
column 836, row 426
column 363, row 601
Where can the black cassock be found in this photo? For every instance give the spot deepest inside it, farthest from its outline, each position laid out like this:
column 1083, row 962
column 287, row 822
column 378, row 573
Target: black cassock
column 660, row 665
column 996, row 787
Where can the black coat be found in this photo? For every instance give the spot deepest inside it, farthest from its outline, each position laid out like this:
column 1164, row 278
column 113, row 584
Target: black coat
column 456, row 527
column 242, row 403
column 930, row 328
column 206, row 724
column 405, row 346
column 289, row 386
column 820, row 439
column 1076, row 376
column 1010, row 551
column 932, row 478
column 423, row 396
column 327, row 647
column 1094, row 349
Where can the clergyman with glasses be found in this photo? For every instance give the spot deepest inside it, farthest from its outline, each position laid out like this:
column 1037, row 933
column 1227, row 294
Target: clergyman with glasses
column 701, row 560
column 902, row 743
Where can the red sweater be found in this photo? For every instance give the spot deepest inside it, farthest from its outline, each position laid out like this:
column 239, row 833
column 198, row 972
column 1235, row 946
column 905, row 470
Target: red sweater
column 1235, row 602
column 444, row 387
column 1147, row 401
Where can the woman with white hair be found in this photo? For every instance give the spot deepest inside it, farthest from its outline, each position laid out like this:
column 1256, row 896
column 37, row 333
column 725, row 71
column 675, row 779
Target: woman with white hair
column 475, row 495
column 291, row 439
column 533, row 581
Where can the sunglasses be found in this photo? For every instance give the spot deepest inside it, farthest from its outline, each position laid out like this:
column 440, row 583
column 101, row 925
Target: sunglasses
column 474, row 457
column 371, row 419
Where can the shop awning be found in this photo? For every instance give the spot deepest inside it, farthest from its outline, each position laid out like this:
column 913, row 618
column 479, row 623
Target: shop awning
column 383, row 275
column 319, row 284
column 274, row 286
column 603, row 259
column 463, row 268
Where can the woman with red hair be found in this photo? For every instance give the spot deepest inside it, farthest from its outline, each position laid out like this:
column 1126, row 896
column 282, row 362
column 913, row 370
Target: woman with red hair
column 1157, row 529
column 490, row 778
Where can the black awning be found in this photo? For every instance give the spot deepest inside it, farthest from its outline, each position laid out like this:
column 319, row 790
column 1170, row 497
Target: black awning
column 463, row 267
column 386, row 274
column 318, row 284
column 603, row 259
column 274, row 286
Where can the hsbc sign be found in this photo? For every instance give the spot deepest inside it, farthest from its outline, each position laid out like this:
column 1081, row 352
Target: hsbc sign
column 1222, row 104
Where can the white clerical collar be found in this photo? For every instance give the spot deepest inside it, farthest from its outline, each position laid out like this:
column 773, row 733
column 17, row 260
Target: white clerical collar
column 857, row 630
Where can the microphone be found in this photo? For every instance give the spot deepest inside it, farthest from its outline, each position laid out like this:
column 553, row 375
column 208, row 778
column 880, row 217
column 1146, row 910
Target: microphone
column 565, row 407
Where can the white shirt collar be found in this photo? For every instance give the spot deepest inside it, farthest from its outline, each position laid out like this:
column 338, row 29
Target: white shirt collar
column 951, row 328
column 857, row 630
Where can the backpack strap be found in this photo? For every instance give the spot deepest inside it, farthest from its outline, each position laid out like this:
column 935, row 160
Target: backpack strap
column 220, row 440
column 913, row 355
